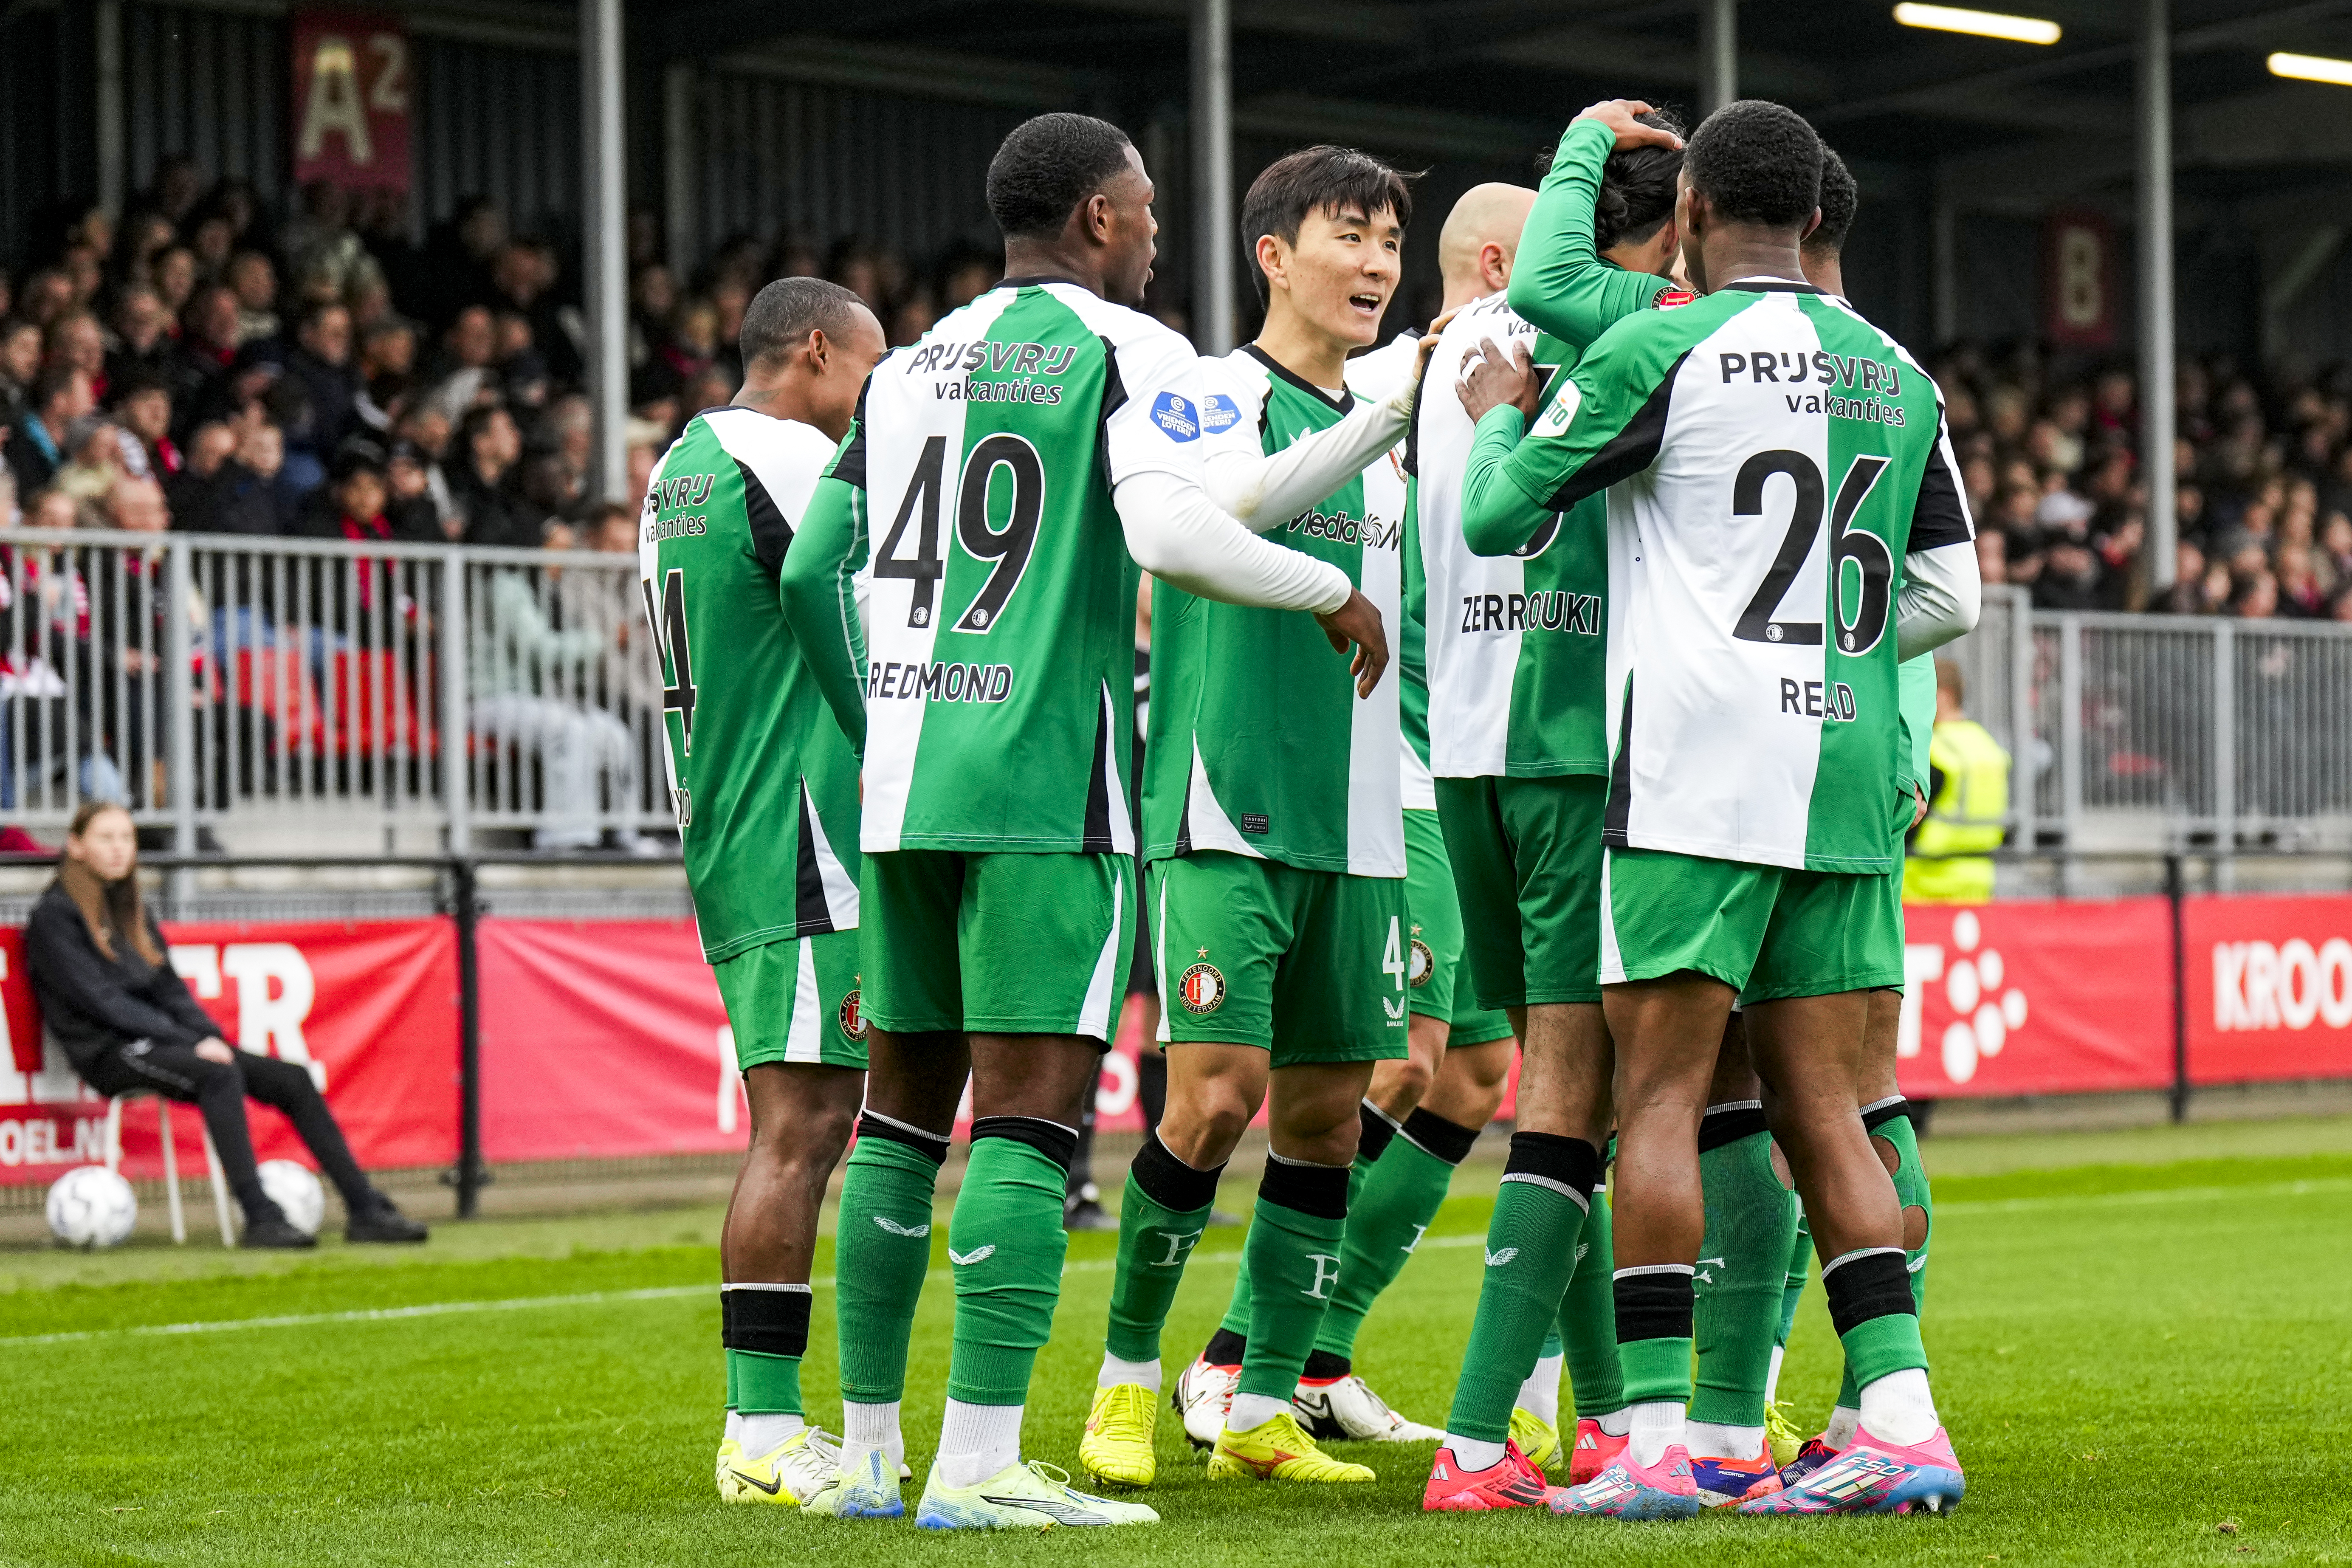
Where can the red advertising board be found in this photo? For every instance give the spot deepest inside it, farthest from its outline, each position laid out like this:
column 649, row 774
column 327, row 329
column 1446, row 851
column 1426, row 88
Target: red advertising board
column 2036, row 998
column 350, row 99
column 369, row 1006
column 2270, row 986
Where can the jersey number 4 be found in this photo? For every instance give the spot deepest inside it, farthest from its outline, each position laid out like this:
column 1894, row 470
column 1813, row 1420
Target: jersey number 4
column 670, row 645
column 1861, row 614
column 1009, row 547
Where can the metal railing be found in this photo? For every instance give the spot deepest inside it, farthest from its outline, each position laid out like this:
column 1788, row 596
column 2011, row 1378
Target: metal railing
column 299, row 696
column 287, row 691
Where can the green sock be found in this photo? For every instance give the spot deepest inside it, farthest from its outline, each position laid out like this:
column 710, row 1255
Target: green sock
column 1237, row 1305
column 883, row 1251
column 1392, row 1198
column 1007, row 1243
column 1654, row 1327
column 1890, row 1120
column 1870, row 1301
column 1792, row 1282
column 1552, row 1343
column 768, row 1384
column 1293, row 1255
column 1160, row 1220
column 1588, row 1318
column 1531, row 1245
column 1742, row 1270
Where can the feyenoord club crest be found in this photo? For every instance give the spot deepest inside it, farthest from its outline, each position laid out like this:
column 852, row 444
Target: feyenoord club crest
column 852, row 1017
column 1421, row 964
column 1202, row 989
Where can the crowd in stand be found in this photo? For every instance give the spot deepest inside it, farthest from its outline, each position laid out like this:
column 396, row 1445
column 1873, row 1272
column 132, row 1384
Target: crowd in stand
column 2052, row 467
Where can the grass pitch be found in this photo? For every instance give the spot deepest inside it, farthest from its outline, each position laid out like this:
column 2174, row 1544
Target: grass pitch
column 2140, row 1348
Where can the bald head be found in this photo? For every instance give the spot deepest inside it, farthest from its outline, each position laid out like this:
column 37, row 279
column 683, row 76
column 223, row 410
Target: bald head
column 1487, row 215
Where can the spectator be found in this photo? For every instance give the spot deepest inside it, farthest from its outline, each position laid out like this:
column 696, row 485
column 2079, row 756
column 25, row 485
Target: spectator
column 241, row 494
column 143, row 406
column 387, row 371
column 38, row 443
column 143, row 337
column 174, row 278
column 489, row 446
column 530, row 680
column 409, row 475
column 463, row 372
column 20, row 364
column 75, row 338
column 207, row 350
column 321, row 361
column 253, row 280
column 126, row 1021
column 522, row 372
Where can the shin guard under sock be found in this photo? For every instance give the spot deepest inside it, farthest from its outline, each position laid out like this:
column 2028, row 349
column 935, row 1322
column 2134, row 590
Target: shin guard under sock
column 768, row 1328
column 1006, row 1245
column 1743, row 1265
column 883, row 1251
column 1653, row 1332
column 1390, row 1203
column 1531, row 1254
column 1160, row 1220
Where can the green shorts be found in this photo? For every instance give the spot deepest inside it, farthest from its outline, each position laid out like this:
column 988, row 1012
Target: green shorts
column 997, row 943
column 1437, row 976
column 1529, row 848
column 1768, row 931
column 1309, row 964
column 795, row 1001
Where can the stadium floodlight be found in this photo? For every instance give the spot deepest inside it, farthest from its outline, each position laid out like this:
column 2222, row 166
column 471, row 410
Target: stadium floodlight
column 2312, row 68
column 1983, row 24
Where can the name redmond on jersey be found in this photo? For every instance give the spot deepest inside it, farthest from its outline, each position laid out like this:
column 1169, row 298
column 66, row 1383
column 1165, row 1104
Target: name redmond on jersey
column 947, row 682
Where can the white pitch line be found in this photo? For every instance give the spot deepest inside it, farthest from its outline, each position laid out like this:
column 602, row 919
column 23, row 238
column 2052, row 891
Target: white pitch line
column 1083, row 1265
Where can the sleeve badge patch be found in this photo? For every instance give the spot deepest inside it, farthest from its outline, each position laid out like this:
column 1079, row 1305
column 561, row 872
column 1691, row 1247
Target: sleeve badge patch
column 1175, row 417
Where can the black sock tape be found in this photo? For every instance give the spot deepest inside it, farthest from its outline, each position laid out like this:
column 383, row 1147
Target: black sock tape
column 1051, row 1139
column 1652, row 1306
column 1374, row 1140
column 1226, row 1348
column 774, row 1322
column 1718, row 1128
column 1168, row 1181
column 932, row 1148
column 727, row 1318
column 1875, row 1285
column 1323, row 1367
column 1448, row 1141
column 1318, row 1190
column 1873, row 1120
column 1571, row 1162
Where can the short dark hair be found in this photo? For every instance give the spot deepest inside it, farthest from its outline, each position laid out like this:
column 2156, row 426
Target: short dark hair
column 1840, row 196
column 1317, row 179
column 1758, row 162
column 780, row 316
column 1638, row 187
column 1047, row 167
column 54, row 379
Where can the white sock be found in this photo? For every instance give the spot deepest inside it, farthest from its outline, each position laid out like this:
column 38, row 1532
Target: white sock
column 1772, row 1377
column 976, row 1441
column 1116, row 1372
column 734, row 1425
column 1839, row 1433
column 1540, row 1396
column 1617, row 1423
column 762, row 1435
column 1716, row 1441
column 1249, row 1410
column 1474, row 1452
column 871, row 1430
column 1658, row 1426
column 1897, row 1408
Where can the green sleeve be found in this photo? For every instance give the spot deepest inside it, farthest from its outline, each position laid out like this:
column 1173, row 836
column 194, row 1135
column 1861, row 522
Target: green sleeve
column 1915, row 700
column 1559, row 280
column 817, row 590
column 1606, row 419
column 1496, row 516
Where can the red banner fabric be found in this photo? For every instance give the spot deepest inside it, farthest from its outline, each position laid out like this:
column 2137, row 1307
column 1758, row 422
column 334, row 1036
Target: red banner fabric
column 351, row 94
column 2270, row 987
column 370, row 1006
column 2036, row 998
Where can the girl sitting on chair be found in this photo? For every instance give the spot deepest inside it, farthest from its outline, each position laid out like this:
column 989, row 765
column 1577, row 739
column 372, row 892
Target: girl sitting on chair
column 126, row 1021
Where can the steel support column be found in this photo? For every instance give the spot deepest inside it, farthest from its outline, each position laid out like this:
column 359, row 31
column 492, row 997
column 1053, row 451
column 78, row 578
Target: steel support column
column 2156, row 372
column 605, row 209
column 1718, row 54
column 1212, row 175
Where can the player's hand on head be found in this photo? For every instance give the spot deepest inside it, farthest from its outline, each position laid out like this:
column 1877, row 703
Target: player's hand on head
column 1358, row 622
column 1490, row 378
column 1618, row 114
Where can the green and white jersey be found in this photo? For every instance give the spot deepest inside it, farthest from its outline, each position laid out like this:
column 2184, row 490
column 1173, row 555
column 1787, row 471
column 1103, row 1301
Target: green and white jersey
column 1515, row 655
column 764, row 780
column 999, row 675
column 1258, row 743
column 1768, row 457
column 1375, row 375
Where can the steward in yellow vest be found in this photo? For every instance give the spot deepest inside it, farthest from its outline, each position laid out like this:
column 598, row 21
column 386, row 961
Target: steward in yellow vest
column 1968, row 805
